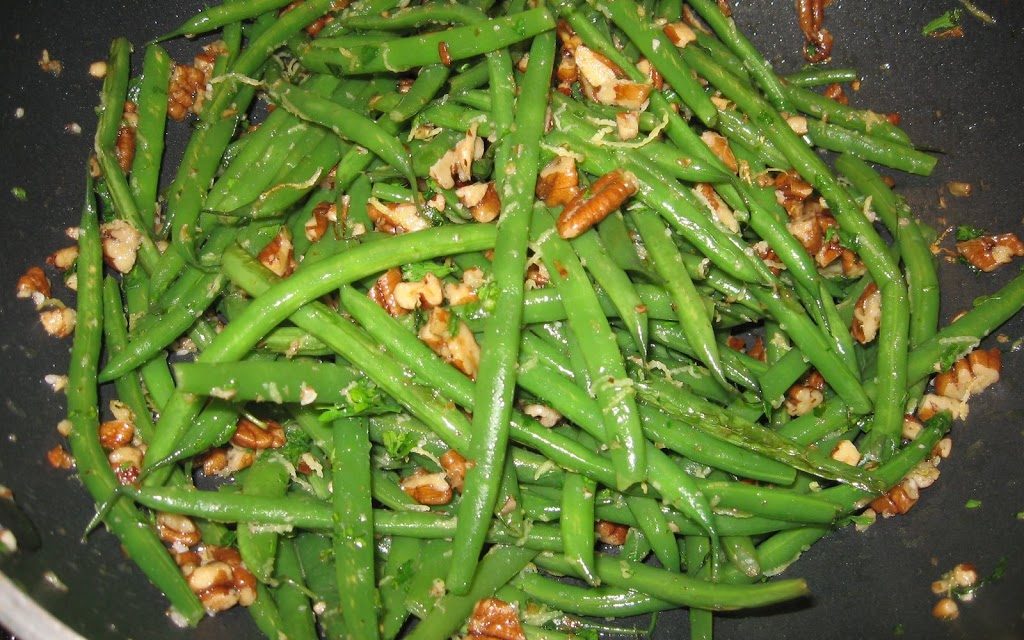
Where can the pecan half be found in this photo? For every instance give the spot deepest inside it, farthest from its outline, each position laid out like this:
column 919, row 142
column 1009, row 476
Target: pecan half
column 251, row 436
column 988, row 253
column 558, row 182
column 607, row 194
column 494, row 618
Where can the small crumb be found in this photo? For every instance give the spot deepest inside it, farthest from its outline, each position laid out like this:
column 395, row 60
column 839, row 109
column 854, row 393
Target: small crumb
column 19, row 113
column 51, row 578
column 64, row 427
column 1002, row 338
column 972, row 504
column 98, row 69
column 960, row 189
column 50, row 65
column 19, row 194
column 73, row 128
column 56, row 382
column 946, row 609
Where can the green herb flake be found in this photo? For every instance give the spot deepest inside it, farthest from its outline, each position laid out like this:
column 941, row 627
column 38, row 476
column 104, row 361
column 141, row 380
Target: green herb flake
column 419, row 270
column 863, row 521
column 945, row 22
column 398, row 444
column 966, row 232
column 972, row 504
column 19, row 194
column 898, row 630
column 1020, row 515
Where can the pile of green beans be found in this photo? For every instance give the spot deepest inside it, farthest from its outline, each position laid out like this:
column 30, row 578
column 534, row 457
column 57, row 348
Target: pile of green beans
column 670, row 474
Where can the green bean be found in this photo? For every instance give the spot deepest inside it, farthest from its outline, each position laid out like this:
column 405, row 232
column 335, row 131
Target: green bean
column 891, row 400
column 353, row 527
column 215, row 17
column 428, row 82
column 265, row 614
column 867, row 147
column 829, row 110
column 577, row 524
column 734, row 367
column 417, row 17
column 435, row 562
column 656, row 529
column 93, row 469
column 811, row 76
column 149, row 134
column 268, row 476
column 155, row 374
column 739, row 130
column 701, row 564
column 129, row 388
column 402, row 564
column 297, row 620
column 314, row 551
column 600, row 602
column 681, row 589
column 279, row 382
column 493, row 393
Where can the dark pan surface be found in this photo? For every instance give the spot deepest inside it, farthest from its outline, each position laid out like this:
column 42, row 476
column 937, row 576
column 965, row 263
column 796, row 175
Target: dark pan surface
column 960, row 96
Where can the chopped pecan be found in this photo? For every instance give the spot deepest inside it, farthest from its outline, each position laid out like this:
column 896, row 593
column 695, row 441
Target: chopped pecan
column 278, row 255
column 612, row 533
column 177, row 529
column 627, row 124
column 835, row 92
column 126, row 463
column 443, row 55
column 817, row 39
column 116, row 433
column 896, row 501
column 251, row 436
column 183, row 95
column 867, row 315
column 395, row 217
column 124, row 145
column 59, row 458
column 460, row 350
column 846, row 452
column 720, row 147
column 988, row 253
column 455, row 466
column 494, row 618
column 481, row 198
column 457, row 163
column 121, row 243
column 57, row 320
column 806, row 394
column 604, row 82
column 214, row 462
column 558, row 182
column 35, row 285
column 679, row 33
column 320, row 219
column 588, row 208
column 424, row 294
column 543, row 414
column 383, row 292
column 427, row 488
column 63, row 259
column 706, row 194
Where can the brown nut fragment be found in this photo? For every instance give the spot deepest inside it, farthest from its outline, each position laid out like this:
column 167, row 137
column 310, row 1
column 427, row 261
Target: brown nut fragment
column 126, row 462
column 896, row 501
column 35, row 285
column 121, row 243
column 278, row 255
column 455, row 466
column 460, row 350
column 867, row 315
column 835, row 92
column 481, row 198
column 946, row 609
column 627, row 124
column 179, row 530
column 558, row 182
column 970, row 375
column 611, row 533
column 960, row 189
column 322, row 216
column 604, row 82
column 58, row 320
column 426, row 293
column 124, row 145
column 806, row 394
column 214, row 462
column 116, row 433
column 720, row 147
column 59, row 458
column 395, row 217
column 494, row 618
column 679, row 33
column 383, row 292
column 63, row 259
column 846, row 452
column 607, row 194
column 187, row 84
column 911, row 427
column 251, row 436
column 427, row 488
column 988, row 253
column 443, row 55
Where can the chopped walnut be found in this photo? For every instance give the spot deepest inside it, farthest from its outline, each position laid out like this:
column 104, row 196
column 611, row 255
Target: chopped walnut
column 607, row 194
column 427, row 488
column 612, row 533
column 58, row 320
column 867, row 315
column 805, row 395
column 460, row 350
column 497, row 619
column 251, row 436
column 395, row 217
column 279, row 254
column 455, row 466
column 383, row 292
column 35, row 285
column 558, row 182
column 988, row 253
column 121, row 243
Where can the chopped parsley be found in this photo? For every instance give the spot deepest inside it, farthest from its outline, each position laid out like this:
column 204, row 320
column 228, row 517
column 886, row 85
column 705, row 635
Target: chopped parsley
column 362, row 397
column 398, row 444
column 419, row 270
column 966, row 232
column 297, row 442
column 19, row 194
column 972, row 504
column 945, row 22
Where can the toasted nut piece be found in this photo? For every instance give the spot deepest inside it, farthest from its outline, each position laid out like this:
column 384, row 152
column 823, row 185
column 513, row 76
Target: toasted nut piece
column 652, row 73
column 911, row 427
column 607, row 194
column 460, row 350
column 214, row 462
column 217, row 599
column 395, row 217
column 680, row 33
column 322, row 216
column 847, row 453
column 63, row 259
column 177, row 529
column 251, row 436
column 726, row 217
column 427, row 488
column 278, row 255
column 213, row 574
column 116, row 433
column 543, row 414
column 229, row 555
column 455, row 466
column 940, row 587
column 124, row 145
column 923, row 475
column 798, row 124
column 239, row 458
column 805, row 395
column 120, row 245
column 932, row 404
column 187, row 561
column 58, row 320
column 558, row 182
column 720, row 147
column 383, row 292
column 943, row 448
column 946, row 609
column 970, row 375
column 965, row 575
column 484, row 208
column 627, row 124
column 126, row 463
column 98, row 69
column 988, row 253
column 187, row 86
column 59, row 458
column 604, row 82
column 835, row 92
column 494, row 618
column 960, row 189
column 34, row 284
column 867, row 315
column 612, row 533
column 896, row 501
column 426, row 293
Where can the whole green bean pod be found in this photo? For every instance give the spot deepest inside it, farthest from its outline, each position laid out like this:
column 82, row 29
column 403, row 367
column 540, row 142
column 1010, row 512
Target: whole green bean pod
column 268, row 476
column 599, row 602
column 149, row 134
column 291, row 595
column 215, row 17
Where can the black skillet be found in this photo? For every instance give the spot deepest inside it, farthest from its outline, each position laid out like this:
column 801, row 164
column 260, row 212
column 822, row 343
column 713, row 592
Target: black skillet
column 960, row 96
